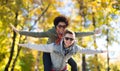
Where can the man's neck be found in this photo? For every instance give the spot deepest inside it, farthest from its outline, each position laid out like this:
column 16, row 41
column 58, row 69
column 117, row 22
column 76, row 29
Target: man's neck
column 66, row 47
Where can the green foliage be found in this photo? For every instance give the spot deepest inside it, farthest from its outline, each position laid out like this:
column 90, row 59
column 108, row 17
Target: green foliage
column 115, row 67
column 94, row 63
column 27, row 62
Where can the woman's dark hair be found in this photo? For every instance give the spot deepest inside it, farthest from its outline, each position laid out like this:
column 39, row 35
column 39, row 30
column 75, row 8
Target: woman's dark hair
column 60, row 18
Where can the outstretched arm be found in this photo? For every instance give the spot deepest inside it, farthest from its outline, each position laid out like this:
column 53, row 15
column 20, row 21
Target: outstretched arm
column 89, row 51
column 44, row 48
column 82, row 34
column 33, row 34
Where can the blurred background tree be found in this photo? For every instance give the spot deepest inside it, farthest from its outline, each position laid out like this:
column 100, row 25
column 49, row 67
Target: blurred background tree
column 38, row 15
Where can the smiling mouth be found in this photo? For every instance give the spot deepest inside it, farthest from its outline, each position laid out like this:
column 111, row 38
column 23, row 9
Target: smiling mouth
column 61, row 32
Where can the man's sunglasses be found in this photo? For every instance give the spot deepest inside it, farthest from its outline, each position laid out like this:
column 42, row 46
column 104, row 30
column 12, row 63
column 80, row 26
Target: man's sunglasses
column 62, row 26
column 67, row 38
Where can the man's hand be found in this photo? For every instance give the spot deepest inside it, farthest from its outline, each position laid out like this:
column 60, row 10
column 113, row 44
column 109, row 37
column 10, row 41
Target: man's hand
column 14, row 29
column 98, row 31
column 20, row 44
column 103, row 51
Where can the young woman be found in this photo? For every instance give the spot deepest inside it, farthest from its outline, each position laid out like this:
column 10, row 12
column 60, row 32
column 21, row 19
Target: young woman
column 60, row 54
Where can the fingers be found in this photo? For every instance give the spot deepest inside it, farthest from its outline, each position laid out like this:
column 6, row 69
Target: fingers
column 104, row 51
column 20, row 44
column 97, row 31
column 14, row 29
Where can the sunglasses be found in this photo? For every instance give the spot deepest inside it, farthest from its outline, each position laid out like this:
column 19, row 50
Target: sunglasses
column 62, row 26
column 67, row 38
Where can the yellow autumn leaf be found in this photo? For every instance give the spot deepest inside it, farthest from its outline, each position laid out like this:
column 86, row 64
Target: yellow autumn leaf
column 95, row 45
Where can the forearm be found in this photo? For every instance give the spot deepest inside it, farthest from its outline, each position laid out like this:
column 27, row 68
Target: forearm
column 44, row 48
column 82, row 34
column 33, row 34
column 90, row 51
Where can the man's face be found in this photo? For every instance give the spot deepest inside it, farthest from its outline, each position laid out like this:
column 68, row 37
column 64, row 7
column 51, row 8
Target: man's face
column 69, row 39
column 60, row 28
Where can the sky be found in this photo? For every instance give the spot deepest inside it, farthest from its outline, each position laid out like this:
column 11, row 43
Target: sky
column 114, row 49
column 68, row 9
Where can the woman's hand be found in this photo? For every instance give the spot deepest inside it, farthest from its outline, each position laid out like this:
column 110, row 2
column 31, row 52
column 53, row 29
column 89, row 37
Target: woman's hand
column 14, row 29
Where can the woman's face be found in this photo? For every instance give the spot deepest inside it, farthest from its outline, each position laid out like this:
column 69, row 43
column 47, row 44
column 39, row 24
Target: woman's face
column 69, row 39
column 61, row 27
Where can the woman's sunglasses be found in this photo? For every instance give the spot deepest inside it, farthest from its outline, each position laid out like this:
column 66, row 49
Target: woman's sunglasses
column 62, row 26
column 67, row 38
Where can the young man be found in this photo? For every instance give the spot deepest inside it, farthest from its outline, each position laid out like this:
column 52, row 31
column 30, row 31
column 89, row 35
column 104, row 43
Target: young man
column 54, row 35
column 61, row 53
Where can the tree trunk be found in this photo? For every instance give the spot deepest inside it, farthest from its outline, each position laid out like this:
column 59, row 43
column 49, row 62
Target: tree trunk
column 14, row 62
column 108, row 59
column 98, row 67
column 94, row 24
column 18, row 52
column 37, row 62
column 83, row 63
column 12, row 48
column 11, row 52
column 82, row 14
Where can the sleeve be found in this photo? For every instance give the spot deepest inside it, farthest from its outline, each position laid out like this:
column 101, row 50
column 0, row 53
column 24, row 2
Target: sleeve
column 35, row 34
column 88, row 51
column 82, row 34
column 40, row 47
